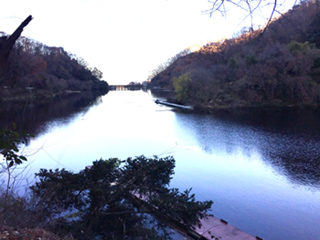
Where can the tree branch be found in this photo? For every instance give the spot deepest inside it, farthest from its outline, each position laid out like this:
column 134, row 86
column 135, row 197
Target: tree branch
column 16, row 34
column 270, row 19
column 6, row 44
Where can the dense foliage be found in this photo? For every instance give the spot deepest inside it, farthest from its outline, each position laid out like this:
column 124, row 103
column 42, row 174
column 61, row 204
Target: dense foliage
column 279, row 66
column 115, row 199
column 9, row 146
column 10, row 142
column 112, row 199
column 46, row 71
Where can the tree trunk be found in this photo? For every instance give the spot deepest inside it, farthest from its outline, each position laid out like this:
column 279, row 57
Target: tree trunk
column 6, row 45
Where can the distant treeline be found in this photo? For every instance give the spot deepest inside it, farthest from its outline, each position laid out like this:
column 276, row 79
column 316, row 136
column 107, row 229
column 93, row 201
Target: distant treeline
column 277, row 67
column 43, row 71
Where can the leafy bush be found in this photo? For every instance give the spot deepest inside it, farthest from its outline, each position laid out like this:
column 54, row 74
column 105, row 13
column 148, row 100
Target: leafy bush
column 182, row 87
column 9, row 142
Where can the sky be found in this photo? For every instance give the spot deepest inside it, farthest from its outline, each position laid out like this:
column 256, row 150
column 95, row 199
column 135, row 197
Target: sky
column 125, row 39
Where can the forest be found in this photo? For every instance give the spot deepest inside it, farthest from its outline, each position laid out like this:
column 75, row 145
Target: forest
column 34, row 70
column 277, row 66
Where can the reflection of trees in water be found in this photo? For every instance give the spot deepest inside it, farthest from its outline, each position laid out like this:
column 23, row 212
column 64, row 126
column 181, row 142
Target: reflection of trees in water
column 296, row 157
column 163, row 94
column 288, row 139
column 276, row 120
column 33, row 116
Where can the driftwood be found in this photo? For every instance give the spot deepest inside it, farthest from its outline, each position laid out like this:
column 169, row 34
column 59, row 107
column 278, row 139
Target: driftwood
column 6, row 45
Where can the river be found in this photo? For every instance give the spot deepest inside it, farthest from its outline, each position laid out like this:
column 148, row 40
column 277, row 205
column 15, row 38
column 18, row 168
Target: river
column 262, row 169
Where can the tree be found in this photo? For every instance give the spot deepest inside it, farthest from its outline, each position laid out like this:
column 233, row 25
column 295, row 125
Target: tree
column 6, row 45
column 182, row 87
column 49, row 71
column 115, row 199
column 163, row 66
column 249, row 7
column 97, row 73
column 9, row 143
column 9, row 149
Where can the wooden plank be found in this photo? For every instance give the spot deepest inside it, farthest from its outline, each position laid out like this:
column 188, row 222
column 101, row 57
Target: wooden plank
column 174, row 105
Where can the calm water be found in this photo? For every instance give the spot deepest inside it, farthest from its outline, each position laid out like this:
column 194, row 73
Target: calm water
column 261, row 170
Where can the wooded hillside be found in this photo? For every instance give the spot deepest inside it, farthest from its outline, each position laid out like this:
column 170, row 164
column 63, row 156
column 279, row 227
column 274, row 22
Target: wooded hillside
column 33, row 69
column 279, row 67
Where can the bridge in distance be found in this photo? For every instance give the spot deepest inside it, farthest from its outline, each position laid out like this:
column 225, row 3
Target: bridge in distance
column 125, row 87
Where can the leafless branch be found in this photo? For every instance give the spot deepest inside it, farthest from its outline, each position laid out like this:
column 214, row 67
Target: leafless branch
column 271, row 16
column 250, row 13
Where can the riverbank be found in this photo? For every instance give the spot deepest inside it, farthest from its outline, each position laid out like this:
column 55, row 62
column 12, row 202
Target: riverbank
column 265, row 107
column 7, row 95
column 213, row 108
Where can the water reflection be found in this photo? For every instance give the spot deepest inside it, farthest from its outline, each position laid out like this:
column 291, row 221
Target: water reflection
column 164, row 95
column 35, row 117
column 240, row 160
column 289, row 140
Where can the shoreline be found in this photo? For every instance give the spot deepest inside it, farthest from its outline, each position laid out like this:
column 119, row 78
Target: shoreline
column 265, row 107
column 45, row 96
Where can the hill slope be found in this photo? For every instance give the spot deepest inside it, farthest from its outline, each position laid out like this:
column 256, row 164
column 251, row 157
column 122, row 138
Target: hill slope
column 280, row 67
column 38, row 71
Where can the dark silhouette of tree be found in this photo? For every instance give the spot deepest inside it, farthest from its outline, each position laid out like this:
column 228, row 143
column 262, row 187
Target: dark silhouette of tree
column 115, row 199
column 7, row 43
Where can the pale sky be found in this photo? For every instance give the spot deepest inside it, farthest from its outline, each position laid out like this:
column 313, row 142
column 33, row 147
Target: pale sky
column 125, row 39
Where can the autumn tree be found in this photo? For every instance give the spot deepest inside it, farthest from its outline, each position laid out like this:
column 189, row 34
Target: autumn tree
column 49, row 71
column 27, row 65
column 163, row 66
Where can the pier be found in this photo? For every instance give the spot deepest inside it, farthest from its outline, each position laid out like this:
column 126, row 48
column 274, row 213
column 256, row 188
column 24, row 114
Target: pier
column 214, row 228
column 209, row 228
column 174, row 105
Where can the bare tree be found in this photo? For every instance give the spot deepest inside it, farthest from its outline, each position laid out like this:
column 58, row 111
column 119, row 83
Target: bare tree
column 249, row 7
column 6, row 44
